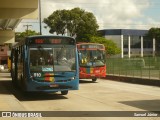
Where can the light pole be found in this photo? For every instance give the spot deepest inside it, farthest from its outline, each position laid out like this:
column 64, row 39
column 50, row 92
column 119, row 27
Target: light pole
column 40, row 24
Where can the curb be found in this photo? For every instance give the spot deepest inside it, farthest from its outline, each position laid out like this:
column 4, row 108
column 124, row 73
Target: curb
column 142, row 81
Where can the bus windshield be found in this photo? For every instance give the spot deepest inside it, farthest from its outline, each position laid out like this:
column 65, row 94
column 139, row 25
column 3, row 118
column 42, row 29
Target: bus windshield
column 92, row 58
column 46, row 58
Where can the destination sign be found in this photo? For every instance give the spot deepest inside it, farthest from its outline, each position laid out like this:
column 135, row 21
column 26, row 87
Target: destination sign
column 91, row 46
column 68, row 41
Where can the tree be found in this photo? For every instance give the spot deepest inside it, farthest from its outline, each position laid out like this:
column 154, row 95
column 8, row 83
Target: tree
column 57, row 21
column 155, row 33
column 111, row 47
column 21, row 35
column 77, row 22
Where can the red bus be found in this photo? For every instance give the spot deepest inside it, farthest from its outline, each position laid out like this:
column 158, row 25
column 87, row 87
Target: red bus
column 92, row 61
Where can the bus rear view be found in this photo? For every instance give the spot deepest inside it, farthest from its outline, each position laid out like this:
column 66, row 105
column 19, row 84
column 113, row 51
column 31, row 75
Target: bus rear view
column 46, row 63
column 93, row 61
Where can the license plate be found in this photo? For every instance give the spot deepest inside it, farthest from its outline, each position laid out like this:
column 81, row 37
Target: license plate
column 54, row 85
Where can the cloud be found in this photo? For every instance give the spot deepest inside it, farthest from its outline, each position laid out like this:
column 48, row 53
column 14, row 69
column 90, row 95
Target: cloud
column 109, row 13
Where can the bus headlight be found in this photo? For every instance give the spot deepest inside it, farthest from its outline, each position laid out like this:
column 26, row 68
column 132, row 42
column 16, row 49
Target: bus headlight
column 72, row 78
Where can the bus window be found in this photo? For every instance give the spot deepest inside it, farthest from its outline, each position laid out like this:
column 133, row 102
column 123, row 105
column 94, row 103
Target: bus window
column 52, row 59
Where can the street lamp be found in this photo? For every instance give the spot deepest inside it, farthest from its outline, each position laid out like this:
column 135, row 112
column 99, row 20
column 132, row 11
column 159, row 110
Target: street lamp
column 40, row 24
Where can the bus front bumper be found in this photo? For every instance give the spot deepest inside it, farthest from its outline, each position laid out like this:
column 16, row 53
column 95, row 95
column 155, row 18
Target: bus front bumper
column 34, row 86
column 90, row 76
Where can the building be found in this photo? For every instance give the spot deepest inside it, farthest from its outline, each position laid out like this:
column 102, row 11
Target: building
column 131, row 42
column 11, row 14
column 3, row 54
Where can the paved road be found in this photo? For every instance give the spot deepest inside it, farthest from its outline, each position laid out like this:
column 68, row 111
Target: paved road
column 104, row 95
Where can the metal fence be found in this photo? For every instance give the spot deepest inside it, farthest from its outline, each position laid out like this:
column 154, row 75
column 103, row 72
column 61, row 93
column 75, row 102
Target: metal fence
column 146, row 67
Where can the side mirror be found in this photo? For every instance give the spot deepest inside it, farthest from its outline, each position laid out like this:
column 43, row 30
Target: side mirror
column 79, row 56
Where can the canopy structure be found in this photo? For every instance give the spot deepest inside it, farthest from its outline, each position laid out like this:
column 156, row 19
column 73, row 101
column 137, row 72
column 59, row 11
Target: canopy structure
column 11, row 14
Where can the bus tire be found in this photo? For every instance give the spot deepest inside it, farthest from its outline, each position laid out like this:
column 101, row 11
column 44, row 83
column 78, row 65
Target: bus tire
column 94, row 79
column 64, row 92
column 14, row 83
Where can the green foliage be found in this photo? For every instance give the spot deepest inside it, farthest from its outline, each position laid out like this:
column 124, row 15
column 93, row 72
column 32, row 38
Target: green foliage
column 77, row 22
column 155, row 33
column 111, row 47
column 57, row 21
column 21, row 35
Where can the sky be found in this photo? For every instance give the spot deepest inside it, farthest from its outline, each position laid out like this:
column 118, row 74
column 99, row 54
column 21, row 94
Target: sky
column 110, row 14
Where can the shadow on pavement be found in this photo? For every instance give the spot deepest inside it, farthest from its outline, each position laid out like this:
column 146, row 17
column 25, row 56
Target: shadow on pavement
column 149, row 105
column 86, row 81
column 6, row 87
column 3, row 84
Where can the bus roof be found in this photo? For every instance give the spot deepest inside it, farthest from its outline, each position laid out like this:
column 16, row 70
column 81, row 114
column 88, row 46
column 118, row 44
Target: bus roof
column 25, row 40
column 34, row 36
column 82, row 43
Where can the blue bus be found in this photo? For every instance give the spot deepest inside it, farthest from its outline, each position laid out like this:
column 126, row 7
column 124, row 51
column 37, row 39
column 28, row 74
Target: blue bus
column 45, row 64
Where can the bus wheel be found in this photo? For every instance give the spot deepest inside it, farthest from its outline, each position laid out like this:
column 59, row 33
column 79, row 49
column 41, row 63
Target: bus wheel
column 14, row 83
column 64, row 92
column 94, row 79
